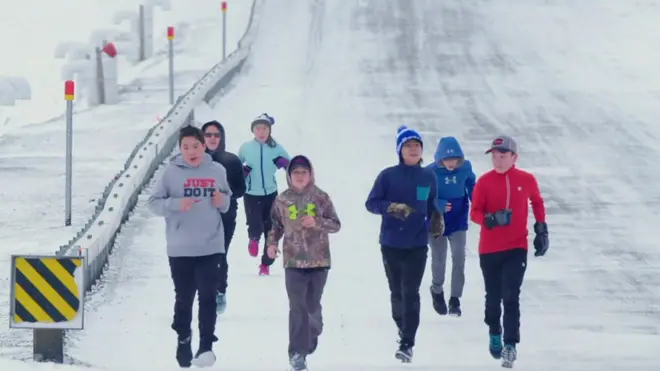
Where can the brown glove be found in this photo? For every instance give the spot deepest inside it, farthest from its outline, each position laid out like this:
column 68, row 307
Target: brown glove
column 437, row 224
column 399, row 210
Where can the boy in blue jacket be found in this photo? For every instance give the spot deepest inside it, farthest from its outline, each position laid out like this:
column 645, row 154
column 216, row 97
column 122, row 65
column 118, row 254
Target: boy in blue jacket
column 455, row 184
column 261, row 158
column 404, row 196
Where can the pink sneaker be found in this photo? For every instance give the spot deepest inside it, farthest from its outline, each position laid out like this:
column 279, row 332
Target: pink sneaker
column 253, row 248
column 264, row 270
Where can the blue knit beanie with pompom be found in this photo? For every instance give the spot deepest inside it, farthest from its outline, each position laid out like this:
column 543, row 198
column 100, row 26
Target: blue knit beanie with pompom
column 404, row 134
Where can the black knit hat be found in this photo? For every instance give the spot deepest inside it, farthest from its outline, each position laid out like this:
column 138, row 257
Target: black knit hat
column 299, row 162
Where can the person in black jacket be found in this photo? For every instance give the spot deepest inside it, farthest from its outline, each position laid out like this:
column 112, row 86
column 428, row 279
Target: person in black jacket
column 215, row 140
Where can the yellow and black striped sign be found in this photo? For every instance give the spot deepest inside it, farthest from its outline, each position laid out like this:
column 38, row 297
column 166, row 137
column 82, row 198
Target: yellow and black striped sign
column 46, row 290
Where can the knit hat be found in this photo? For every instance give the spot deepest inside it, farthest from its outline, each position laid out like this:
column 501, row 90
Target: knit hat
column 405, row 134
column 299, row 162
column 264, row 118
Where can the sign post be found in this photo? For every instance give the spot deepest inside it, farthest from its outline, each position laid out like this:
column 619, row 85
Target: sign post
column 170, row 44
column 69, row 96
column 141, row 35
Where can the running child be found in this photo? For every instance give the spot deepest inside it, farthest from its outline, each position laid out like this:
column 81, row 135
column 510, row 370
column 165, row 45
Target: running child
column 500, row 204
column 455, row 184
column 261, row 158
column 215, row 140
column 192, row 194
column 404, row 195
column 304, row 216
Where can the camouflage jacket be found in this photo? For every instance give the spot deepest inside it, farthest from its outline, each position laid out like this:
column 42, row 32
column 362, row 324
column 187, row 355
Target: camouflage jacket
column 303, row 247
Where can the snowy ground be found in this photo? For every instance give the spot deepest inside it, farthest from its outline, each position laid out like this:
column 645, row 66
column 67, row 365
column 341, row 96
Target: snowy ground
column 575, row 84
column 74, row 22
column 32, row 157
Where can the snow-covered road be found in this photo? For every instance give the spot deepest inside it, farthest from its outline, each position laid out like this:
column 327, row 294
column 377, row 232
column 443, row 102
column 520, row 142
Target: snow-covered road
column 575, row 84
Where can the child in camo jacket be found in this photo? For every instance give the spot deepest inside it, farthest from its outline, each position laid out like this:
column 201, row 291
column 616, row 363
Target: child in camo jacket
column 303, row 216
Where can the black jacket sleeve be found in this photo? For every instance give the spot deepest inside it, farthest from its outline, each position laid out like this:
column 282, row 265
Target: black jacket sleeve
column 235, row 176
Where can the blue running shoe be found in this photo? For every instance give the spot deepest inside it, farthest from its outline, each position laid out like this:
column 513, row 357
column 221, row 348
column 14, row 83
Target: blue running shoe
column 220, row 303
column 495, row 346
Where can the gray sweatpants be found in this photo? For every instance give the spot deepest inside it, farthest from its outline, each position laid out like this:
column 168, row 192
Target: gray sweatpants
column 304, row 288
column 456, row 241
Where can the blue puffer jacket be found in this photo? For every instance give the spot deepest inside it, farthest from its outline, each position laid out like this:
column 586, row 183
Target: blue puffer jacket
column 454, row 186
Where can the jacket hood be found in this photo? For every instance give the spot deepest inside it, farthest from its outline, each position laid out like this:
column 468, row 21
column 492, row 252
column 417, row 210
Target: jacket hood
column 223, row 136
column 448, row 148
column 294, row 159
column 177, row 160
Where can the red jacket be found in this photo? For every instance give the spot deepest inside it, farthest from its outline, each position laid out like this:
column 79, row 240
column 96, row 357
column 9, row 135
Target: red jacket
column 490, row 195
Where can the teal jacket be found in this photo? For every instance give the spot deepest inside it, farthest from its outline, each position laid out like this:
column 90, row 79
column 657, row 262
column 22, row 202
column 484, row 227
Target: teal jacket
column 261, row 159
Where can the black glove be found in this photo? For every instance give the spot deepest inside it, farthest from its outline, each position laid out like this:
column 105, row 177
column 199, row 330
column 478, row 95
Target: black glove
column 541, row 241
column 498, row 218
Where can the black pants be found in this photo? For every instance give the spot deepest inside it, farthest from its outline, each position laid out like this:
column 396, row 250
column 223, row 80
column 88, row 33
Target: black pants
column 404, row 269
column 229, row 224
column 503, row 276
column 199, row 274
column 304, row 288
column 257, row 213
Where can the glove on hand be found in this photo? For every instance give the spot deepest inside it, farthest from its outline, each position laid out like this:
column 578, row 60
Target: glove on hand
column 246, row 170
column 541, row 241
column 498, row 218
column 436, row 224
column 399, row 210
column 281, row 162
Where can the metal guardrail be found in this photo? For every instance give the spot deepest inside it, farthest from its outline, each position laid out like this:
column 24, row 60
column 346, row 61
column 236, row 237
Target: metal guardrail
column 94, row 268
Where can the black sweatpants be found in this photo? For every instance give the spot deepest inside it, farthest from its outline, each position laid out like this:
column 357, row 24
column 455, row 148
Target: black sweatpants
column 304, row 288
column 257, row 214
column 198, row 274
column 229, row 224
column 404, row 269
column 503, row 276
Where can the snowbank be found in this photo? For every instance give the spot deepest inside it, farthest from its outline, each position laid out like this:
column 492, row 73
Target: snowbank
column 13, row 89
column 95, row 240
column 8, row 365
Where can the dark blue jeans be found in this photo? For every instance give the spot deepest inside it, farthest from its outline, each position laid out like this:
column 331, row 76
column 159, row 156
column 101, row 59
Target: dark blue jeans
column 503, row 274
column 201, row 275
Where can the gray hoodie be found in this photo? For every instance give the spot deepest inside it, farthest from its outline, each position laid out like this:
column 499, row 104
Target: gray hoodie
column 198, row 231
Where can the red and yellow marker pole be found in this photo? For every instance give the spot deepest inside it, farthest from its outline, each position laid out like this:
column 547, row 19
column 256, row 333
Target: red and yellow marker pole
column 69, row 96
column 170, row 44
column 224, row 30
column 69, row 90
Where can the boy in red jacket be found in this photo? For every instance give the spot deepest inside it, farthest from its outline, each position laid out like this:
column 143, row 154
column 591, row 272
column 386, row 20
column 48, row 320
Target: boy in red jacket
column 499, row 205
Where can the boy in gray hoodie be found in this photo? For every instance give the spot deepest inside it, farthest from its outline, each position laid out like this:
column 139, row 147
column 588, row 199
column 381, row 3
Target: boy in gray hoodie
column 191, row 195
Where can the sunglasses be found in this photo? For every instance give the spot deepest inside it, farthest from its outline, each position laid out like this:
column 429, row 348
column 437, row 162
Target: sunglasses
column 211, row 135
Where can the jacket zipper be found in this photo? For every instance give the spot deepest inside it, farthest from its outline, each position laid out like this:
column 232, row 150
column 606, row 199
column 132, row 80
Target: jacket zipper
column 508, row 191
column 261, row 158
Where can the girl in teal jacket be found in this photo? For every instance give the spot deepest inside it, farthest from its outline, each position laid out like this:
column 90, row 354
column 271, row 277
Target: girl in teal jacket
column 261, row 158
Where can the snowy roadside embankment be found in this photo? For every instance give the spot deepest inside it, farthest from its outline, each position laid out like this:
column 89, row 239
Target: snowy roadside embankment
column 95, row 240
column 32, row 160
